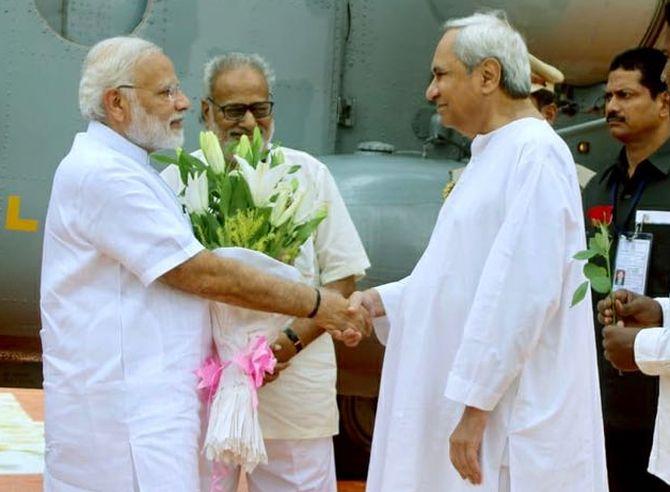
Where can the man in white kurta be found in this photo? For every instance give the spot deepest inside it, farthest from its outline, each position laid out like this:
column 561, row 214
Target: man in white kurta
column 122, row 331
column 483, row 324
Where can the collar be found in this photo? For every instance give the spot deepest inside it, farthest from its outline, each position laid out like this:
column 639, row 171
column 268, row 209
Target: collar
column 658, row 163
column 108, row 137
column 480, row 142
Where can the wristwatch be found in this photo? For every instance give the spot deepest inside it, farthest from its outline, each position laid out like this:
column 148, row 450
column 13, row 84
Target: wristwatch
column 295, row 339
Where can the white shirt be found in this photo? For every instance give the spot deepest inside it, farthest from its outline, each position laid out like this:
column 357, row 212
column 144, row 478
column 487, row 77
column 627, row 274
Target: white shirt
column 652, row 356
column 484, row 320
column 301, row 403
column 120, row 347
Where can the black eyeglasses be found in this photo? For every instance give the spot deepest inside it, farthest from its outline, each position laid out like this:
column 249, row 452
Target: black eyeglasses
column 237, row 111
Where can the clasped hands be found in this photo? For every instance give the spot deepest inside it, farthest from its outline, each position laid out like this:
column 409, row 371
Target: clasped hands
column 634, row 312
column 346, row 320
column 350, row 319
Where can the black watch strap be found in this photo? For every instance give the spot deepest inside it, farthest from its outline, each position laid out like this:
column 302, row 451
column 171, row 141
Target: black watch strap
column 317, row 304
column 295, row 339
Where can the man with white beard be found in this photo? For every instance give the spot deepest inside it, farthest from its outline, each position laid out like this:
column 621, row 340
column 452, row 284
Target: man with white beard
column 489, row 376
column 125, row 323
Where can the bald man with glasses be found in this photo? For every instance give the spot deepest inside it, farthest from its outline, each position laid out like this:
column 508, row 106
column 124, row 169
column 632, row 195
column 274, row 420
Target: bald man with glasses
column 298, row 411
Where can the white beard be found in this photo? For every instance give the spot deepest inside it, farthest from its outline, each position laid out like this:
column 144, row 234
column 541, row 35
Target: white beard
column 150, row 133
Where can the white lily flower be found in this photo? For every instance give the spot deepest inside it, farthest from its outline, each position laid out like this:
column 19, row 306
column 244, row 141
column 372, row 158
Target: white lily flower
column 209, row 143
column 280, row 205
column 172, row 178
column 196, row 197
column 309, row 208
column 262, row 180
column 298, row 197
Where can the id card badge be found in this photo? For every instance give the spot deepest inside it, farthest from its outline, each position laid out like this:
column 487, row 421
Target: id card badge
column 632, row 262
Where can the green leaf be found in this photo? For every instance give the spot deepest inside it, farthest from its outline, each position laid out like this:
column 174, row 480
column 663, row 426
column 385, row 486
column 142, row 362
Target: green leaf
column 165, row 159
column 592, row 271
column 257, row 145
column 241, row 196
column 580, row 293
column 193, row 162
column 305, row 230
column 594, row 245
column 601, row 285
column 587, row 254
column 225, row 192
column 293, row 169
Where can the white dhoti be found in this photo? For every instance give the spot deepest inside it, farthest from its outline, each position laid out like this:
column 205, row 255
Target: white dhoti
column 307, row 465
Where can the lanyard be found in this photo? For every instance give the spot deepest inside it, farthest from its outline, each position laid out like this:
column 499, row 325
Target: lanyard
column 633, row 205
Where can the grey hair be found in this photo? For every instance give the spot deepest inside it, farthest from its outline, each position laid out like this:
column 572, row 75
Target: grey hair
column 108, row 64
column 234, row 60
column 489, row 35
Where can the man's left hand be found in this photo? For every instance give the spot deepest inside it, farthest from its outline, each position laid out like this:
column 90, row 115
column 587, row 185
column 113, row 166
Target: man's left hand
column 619, row 346
column 279, row 367
column 465, row 443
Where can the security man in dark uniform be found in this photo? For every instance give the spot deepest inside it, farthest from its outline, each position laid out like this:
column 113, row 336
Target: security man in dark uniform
column 638, row 115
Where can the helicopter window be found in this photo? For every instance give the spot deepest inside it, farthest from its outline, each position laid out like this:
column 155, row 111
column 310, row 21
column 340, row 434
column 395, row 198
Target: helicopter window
column 88, row 21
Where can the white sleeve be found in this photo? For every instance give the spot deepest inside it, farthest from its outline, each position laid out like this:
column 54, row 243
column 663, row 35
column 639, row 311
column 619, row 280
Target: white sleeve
column 520, row 286
column 652, row 351
column 125, row 219
column 339, row 250
column 391, row 295
column 665, row 308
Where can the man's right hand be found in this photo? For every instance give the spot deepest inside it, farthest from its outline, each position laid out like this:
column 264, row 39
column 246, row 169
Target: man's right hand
column 340, row 320
column 633, row 309
column 370, row 300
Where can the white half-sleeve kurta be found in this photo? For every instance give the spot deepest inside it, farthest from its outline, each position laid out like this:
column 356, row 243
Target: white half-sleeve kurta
column 652, row 356
column 120, row 347
column 484, row 320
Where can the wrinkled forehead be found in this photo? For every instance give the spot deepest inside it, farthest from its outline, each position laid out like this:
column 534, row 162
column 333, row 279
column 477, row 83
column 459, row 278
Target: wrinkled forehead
column 243, row 85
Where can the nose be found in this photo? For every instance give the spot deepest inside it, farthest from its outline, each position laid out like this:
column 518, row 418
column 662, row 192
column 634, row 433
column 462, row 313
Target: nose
column 431, row 90
column 612, row 106
column 181, row 102
column 248, row 122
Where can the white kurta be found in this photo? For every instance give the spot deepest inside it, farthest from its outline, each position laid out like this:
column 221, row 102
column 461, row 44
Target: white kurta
column 652, row 356
column 484, row 320
column 120, row 347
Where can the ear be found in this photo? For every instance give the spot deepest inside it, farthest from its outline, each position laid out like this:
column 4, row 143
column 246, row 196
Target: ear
column 664, row 98
column 549, row 112
column 490, row 75
column 205, row 109
column 116, row 106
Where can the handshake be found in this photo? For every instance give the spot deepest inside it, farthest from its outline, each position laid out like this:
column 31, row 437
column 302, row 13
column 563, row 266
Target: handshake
column 348, row 320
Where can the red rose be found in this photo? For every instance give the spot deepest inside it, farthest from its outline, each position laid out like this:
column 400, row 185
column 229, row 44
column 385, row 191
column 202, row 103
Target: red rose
column 600, row 214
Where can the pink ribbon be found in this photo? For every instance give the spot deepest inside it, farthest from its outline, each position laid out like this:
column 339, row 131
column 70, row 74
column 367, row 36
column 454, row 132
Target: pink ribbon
column 255, row 360
column 209, row 375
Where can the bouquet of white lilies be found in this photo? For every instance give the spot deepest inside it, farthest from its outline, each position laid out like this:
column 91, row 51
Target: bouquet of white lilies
column 254, row 202
column 254, row 209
